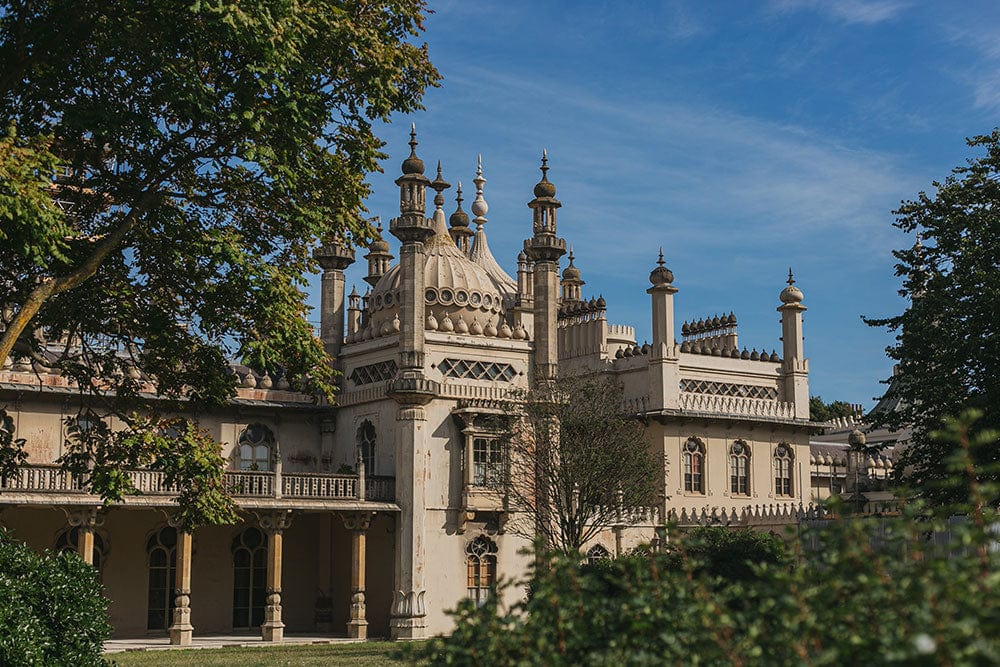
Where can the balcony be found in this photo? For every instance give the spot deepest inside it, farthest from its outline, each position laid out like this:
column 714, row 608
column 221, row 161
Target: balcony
column 34, row 483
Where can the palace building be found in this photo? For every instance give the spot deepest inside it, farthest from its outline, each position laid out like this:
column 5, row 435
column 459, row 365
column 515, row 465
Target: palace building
column 371, row 517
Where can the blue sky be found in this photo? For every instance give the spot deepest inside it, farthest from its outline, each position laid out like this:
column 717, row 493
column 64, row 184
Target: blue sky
column 743, row 137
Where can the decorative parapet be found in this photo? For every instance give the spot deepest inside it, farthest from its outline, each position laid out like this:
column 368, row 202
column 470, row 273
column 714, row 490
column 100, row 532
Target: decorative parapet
column 244, row 484
column 737, row 406
column 757, row 515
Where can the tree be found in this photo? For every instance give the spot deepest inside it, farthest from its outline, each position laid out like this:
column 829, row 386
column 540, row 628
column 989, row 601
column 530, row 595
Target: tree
column 167, row 169
column 948, row 338
column 821, row 411
column 576, row 463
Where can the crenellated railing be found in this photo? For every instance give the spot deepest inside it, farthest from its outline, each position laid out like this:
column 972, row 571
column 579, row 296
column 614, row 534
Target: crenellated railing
column 739, row 406
column 244, row 484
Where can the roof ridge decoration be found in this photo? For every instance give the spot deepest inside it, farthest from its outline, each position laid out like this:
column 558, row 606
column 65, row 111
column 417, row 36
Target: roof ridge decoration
column 480, row 252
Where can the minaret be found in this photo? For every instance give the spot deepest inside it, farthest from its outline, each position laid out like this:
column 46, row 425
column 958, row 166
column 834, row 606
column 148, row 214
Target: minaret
column 545, row 248
column 794, row 367
column 571, row 282
column 459, row 223
column 412, row 390
column 664, row 360
column 334, row 258
column 378, row 257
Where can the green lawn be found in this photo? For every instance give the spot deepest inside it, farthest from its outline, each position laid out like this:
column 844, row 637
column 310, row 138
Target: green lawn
column 369, row 654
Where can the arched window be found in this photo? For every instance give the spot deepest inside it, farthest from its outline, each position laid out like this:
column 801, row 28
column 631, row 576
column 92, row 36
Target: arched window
column 481, row 562
column 256, row 446
column 694, row 466
column 739, row 468
column 366, row 443
column 69, row 540
column 161, row 551
column 597, row 553
column 249, row 578
column 783, row 470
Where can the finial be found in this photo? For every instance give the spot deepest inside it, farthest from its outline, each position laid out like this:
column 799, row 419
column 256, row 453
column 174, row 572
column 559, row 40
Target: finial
column 545, row 165
column 660, row 261
column 571, row 257
column 439, row 185
column 458, row 194
column 791, row 279
column 544, row 188
column 413, row 139
column 479, row 206
column 413, row 165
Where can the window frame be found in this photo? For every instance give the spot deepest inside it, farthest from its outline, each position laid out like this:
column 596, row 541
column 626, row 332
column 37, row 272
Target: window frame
column 693, row 461
column 480, row 569
column 784, row 458
column 739, row 462
column 256, row 455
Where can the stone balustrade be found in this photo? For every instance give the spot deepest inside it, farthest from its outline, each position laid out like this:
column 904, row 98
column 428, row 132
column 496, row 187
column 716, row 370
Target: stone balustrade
column 244, row 484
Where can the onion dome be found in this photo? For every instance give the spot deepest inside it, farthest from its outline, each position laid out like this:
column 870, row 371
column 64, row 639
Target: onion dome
column 731, row 320
column 601, row 303
column 459, row 218
column 544, row 188
column 379, row 245
column 413, row 164
column 571, row 272
column 716, row 323
column 791, row 294
column 686, row 329
column 457, row 288
column 661, row 275
column 745, row 354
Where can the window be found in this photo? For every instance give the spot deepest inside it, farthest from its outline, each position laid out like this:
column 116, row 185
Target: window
column 256, row 445
column 487, row 461
column 694, row 466
column 366, row 443
column 597, row 553
column 481, row 562
column 69, row 540
column 161, row 550
column 783, row 470
column 249, row 578
column 739, row 468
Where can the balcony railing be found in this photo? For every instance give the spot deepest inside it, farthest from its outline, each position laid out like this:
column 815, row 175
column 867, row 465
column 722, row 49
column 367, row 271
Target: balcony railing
column 244, row 484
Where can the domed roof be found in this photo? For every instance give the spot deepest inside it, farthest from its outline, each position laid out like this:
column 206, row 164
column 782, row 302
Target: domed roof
column 661, row 275
column 453, row 284
column 571, row 272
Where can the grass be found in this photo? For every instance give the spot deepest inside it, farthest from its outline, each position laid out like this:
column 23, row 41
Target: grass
column 368, row 654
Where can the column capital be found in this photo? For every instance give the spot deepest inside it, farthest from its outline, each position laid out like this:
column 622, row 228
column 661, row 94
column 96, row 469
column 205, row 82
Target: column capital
column 275, row 522
column 357, row 520
column 85, row 517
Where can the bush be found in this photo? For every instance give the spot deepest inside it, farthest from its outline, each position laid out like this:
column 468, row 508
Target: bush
column 917, row 589
column 52, row 610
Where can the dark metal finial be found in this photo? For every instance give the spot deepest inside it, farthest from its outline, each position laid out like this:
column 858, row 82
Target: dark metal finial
column 458, row 195
column 660, row 260
column 791, row 279
column 413, row 140
column 545, row 165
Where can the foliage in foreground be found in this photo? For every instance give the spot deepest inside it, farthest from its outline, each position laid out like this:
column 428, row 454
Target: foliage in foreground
column 368, row 654
column 52, row 608
column 875, row 591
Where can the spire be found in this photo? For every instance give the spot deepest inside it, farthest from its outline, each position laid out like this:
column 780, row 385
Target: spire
column 479, row 206
column 660, row 261
column 791, row 278
column 459, row 222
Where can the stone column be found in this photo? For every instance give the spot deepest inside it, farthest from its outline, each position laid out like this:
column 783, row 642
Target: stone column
column 794, row 365
column 274, row 525
column 358, row 523
column 86, row 521
column 181, row 629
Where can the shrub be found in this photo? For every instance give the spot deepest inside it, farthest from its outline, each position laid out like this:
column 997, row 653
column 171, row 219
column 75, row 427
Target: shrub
column 52, row 610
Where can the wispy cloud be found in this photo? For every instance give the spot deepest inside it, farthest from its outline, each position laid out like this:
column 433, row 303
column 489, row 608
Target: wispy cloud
column 866, row 12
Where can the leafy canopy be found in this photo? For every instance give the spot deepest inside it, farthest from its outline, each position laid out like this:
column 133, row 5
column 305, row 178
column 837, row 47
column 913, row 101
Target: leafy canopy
column 948, row 339
column 203, row 150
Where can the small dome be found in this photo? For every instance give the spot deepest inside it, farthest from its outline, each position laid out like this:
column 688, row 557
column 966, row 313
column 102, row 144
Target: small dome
column 571, row 272
column 791, row 294
column 459, row 219
column 379, row 244
column 544, row 188
column 413, row 164
column 661, row 275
